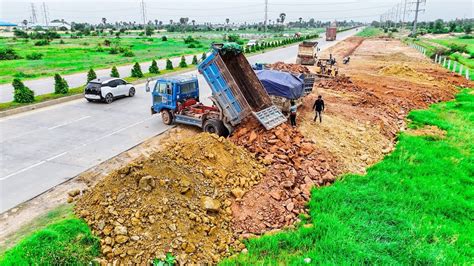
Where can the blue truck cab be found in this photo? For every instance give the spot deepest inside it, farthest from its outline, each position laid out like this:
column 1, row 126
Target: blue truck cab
column 168, row 92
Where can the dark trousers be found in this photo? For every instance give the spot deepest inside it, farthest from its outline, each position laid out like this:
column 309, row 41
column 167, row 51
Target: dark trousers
column 316, row 116
column 293, row 119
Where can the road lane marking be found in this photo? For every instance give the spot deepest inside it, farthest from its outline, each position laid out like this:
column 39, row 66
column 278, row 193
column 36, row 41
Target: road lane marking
column 70, row 122
column 82, row 145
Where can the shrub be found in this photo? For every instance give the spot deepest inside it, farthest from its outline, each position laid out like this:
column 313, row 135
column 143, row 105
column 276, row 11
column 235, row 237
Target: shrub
column 137, row 71
column 20, row 34
column 169, row 64
column 60, row 85
column 154, row 68
column 61, row 41
column 8, row 54
column 189, row 39
column 461, row 48
column 22, row 94
column 114, row 50
column 204, row 56
column 114, row 73
column 68, row 242
column 128, row 53
column 182, row 63
column 34, row 56
column 192, row 45
column 195, row 60
column 107, row 42
column 164, row 38
column 91, row 75
column 42, row 42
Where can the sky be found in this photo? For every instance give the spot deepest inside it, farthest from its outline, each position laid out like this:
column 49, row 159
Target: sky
column 216, row 11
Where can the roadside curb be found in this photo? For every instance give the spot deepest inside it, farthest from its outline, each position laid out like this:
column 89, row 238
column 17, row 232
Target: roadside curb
column 27, row 108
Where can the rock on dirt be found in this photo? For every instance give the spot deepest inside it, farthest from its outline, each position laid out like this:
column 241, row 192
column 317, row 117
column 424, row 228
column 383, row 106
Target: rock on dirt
column 154, row 205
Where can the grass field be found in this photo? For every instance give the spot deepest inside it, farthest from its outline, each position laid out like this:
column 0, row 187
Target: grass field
column 78, row 55
column 413, row 208
column 370, row 32
column 57, row 238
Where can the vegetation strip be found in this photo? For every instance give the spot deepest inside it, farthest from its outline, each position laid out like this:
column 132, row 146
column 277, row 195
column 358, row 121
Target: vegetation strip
column 411, row 208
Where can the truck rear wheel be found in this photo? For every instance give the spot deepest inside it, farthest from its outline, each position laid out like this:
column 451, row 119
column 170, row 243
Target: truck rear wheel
column 167, row 117
column 215, row 126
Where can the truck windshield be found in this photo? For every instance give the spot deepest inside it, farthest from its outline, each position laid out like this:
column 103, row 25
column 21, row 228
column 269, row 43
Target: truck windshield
column 188, row 87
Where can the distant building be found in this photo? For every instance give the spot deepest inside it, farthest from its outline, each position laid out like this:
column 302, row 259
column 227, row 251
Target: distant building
column 7, row 25
column 55, row 25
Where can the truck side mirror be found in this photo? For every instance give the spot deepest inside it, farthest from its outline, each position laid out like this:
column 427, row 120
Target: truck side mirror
column 147, row 86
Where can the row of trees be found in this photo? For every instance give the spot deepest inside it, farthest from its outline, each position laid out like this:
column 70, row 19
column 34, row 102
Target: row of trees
column 437, row 26
column 23, row 94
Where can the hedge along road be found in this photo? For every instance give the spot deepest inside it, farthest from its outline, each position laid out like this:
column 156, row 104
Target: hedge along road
column 43, row 148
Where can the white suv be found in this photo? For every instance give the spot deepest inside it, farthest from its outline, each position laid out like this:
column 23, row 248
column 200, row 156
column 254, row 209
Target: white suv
column 107, row 89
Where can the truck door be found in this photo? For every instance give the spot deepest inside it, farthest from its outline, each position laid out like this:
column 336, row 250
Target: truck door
column 164, row 91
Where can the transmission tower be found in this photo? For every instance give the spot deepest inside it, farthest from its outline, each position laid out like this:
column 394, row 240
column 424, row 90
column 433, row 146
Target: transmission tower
column 142, row 4
column 45, row 13
column 34, row 19
column 417, row 10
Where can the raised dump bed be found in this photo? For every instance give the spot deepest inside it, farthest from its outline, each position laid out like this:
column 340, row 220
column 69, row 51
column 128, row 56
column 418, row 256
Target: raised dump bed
column 237, row 88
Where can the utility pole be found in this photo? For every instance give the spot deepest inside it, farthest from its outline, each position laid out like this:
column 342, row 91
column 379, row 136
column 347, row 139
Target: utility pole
column 404, row 13
column 45, row 13
column 143, row 13
column 34, row 19
column 417, row 10
column 266, row 15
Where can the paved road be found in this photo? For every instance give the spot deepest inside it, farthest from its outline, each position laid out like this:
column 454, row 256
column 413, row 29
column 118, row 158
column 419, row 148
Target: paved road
column 43, row 148
column 46, row 85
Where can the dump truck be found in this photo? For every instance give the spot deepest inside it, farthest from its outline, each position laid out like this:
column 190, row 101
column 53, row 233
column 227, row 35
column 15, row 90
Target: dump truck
column 331, row 32
column 307, row 53
column 236, row 93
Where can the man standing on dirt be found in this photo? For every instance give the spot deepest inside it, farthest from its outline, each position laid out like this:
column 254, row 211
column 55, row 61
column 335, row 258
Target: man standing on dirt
column 293, row 108
column 318, row 107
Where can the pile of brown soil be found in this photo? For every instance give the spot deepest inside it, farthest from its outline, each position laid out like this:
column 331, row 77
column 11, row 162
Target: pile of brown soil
column 178, row 201
column 292, row 68
column 294, row 166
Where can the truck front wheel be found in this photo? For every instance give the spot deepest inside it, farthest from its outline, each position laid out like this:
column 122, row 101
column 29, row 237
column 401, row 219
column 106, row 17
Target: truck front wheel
column 215, row 126
column 167, row 117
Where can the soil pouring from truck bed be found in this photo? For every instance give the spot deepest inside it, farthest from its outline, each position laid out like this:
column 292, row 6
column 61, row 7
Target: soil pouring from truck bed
column 177, row 200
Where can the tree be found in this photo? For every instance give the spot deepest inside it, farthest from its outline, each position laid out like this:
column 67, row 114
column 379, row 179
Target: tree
column 204, row 56
column 195, row 60
column 300, row 20
column 468, row 28
column 194, row 24
column 282, row 17
column 114, row 73
column 91, row 75
column 169, row 64
column 439, row 26
column 22, row 94
column 154, row 67
column 60, row 85
column 183, row 63
column 227, row 20
column 104, row 21
column 137, row 71
column 148, row 31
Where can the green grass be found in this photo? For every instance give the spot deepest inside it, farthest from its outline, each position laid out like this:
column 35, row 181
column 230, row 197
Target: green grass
column 74, row 56
column 65, row 240
column 414, row 207
column 62, row 212
column 370, row 32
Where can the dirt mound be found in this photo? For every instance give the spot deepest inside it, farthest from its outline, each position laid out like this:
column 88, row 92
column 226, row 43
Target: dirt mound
column 293, row 68
column 403, row 70
column 294, row 166
column 178, row 200
column 398, row 56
